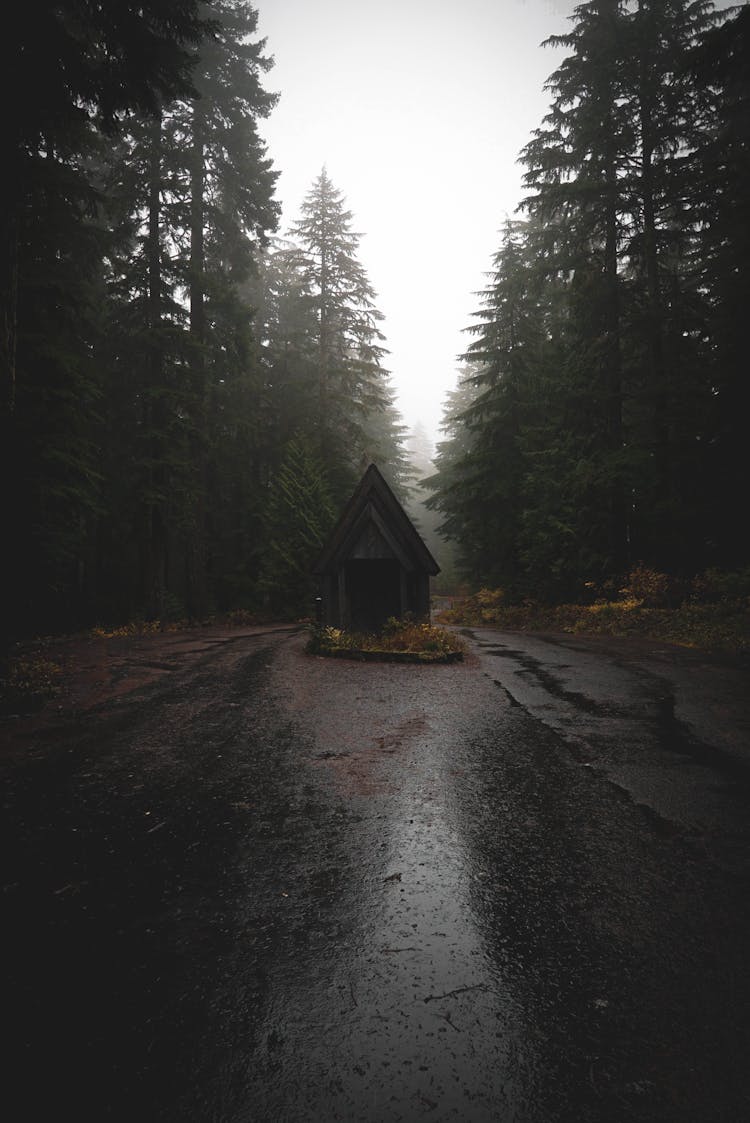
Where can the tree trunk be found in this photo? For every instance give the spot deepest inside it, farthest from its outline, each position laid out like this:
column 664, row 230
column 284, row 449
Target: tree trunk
column 156, row 552
column 10, row 438
column 618, row 544
column 654, row 310
column 196, row 544
column 9, row 303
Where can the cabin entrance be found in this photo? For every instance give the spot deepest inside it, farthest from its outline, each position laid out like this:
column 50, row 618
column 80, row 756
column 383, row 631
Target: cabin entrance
column 373, row 587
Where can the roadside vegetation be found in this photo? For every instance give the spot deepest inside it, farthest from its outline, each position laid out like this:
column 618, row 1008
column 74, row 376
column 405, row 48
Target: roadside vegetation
column 28, row 681
column 31, row 671
column 403, row 641
column 711, row 612
column 237, row 618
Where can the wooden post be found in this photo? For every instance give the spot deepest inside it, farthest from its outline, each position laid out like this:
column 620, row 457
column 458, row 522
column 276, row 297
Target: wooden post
column 342, row 621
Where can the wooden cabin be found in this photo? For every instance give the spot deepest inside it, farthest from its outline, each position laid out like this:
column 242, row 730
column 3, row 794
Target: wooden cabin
column 374, row 564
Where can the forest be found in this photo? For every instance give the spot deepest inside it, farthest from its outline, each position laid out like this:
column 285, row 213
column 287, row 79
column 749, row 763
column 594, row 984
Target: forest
column 189, row 393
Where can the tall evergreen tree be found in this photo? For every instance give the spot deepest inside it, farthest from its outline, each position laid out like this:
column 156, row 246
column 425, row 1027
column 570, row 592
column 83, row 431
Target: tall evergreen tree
column 448, row 487
column 300, row 515
column 576, row 162
column 230, row 211
column 353, row 408
column 607, row 179
column 51, row 472
column 427, row 519
column 144, row 356
column 718, row 196
column 72, row 70
column 501, row 440
column 196, row 197
column 667, row 361
column 62, row 65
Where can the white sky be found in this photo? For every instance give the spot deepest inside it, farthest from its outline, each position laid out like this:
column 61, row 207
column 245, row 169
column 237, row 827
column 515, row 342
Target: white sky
column 418, row 109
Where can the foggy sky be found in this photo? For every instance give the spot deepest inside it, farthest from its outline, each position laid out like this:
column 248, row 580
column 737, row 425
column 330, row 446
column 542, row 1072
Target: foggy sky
column 418, row 109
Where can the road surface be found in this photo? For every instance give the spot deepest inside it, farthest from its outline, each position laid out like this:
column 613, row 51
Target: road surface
column 265, row 886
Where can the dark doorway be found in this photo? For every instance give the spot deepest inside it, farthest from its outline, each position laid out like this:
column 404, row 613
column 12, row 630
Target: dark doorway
column 374, row 591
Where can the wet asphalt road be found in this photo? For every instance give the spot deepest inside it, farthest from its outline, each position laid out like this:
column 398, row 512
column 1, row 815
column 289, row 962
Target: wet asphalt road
column 271, row 887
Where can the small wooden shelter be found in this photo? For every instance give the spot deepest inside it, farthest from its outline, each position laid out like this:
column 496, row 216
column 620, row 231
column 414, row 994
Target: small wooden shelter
column 374, row 564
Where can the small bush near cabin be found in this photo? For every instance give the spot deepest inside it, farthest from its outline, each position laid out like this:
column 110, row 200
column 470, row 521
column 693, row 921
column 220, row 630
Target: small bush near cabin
column 404, row 640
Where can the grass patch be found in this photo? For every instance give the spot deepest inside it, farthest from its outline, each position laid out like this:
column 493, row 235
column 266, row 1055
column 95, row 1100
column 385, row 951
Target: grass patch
column 400, row 641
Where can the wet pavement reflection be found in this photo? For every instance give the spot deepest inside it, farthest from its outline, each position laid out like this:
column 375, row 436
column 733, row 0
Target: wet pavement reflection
column 384, row 1016
column 407, row 1013
column 291, row 888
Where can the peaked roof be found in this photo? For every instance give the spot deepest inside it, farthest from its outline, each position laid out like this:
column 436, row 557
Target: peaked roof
column 373, row 503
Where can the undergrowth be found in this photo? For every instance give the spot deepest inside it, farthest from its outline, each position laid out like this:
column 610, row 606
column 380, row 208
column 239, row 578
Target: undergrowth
column 27, row 682
column 237, row 617
column 711, row 612
column 423, row 642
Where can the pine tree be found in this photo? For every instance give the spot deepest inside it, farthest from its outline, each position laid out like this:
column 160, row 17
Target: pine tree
column 144, row 356
column 420, row 450
column 286, row 325
column 195, row 204
column 352, row 395
column 50, row 465
column 668, row 361
column 485, row 467
column 608, row 181
column 603, row 360
column 576, row 163
column 62, row 66
column 229, row 212
column 73, row 71
column 300, row 514
column 718, row 197
column 448, row 487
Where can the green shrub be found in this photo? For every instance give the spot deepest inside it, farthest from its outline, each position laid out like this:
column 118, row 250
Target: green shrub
column 713, row 585
column 647, row 585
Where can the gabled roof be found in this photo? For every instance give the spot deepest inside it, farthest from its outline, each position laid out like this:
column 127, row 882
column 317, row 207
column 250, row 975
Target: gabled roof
column 374, row 504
